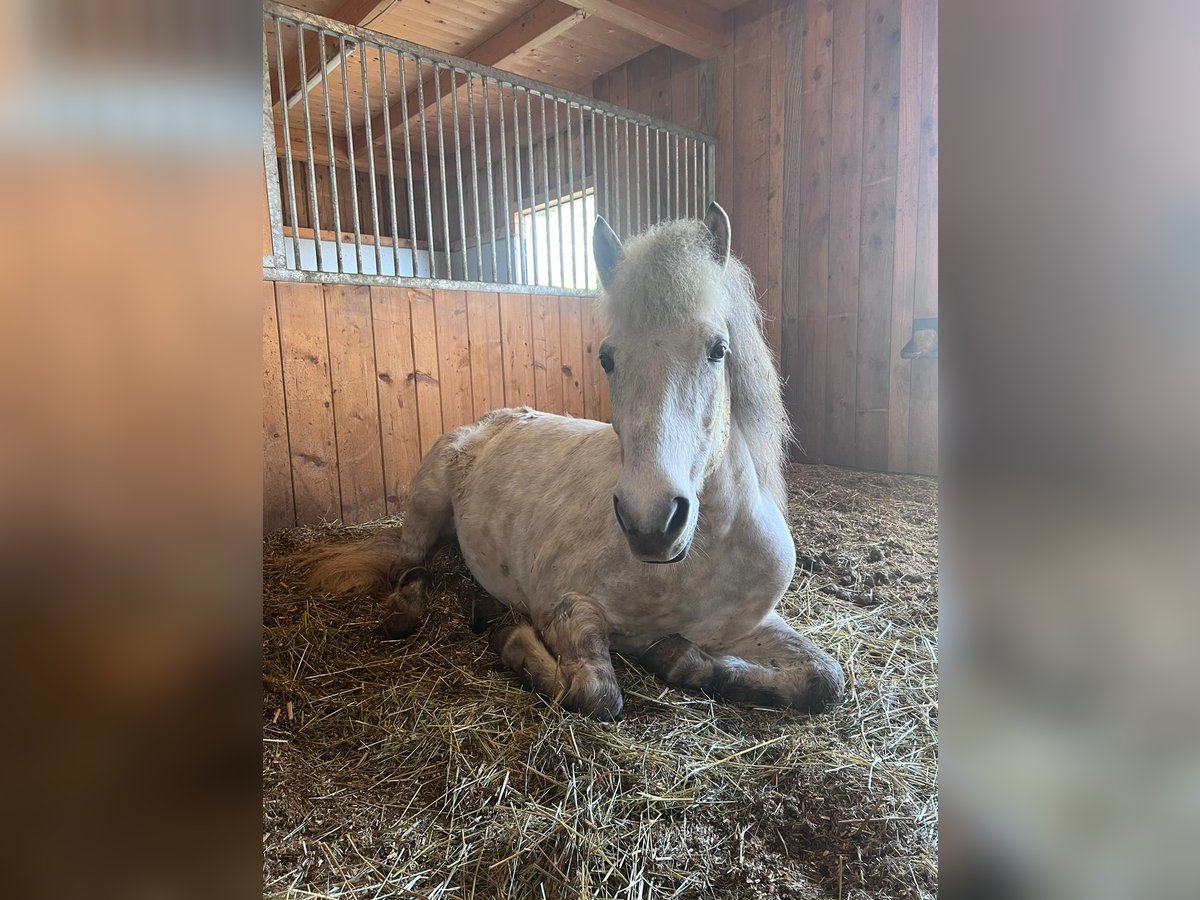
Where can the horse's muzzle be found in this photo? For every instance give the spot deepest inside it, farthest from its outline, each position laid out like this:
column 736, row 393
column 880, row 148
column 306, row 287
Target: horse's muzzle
column 660, row 539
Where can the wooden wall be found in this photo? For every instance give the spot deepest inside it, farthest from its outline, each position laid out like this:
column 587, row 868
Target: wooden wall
column 825, row 113
column 359, row 382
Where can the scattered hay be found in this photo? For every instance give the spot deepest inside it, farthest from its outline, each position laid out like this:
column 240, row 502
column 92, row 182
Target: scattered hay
column 416, row 768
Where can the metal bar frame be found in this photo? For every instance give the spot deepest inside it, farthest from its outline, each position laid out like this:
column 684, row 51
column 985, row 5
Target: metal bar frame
column 688, row 182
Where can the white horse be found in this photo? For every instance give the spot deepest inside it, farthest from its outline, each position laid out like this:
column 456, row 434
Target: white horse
column 661, row 536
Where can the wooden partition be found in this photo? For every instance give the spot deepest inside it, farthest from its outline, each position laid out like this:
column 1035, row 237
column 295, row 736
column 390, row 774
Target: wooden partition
column 825, row 113
column 359, row 382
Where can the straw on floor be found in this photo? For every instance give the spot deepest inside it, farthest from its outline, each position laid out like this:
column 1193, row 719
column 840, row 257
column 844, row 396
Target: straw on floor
column 418, row 768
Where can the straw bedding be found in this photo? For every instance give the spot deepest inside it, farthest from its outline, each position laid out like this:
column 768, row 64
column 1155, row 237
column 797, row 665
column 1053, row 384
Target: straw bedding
column 417, row 768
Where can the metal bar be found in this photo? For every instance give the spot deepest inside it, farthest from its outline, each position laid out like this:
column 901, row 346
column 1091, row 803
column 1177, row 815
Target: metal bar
column 333, row 182
column 350, row 154
column 449, row 60
column 711, row 171
column 410, row 188
column 437, row 78
column 637, row 179
column 391, row 165
column 491, row 189
column 314, row 213
column 447, row 284
column 287, row 150
column 667, row 176
column 704, row 176
column 424, row 166
column 607, row 175
column 558, row 194
column 698, row 201
column 571, row 195
column 459, row 178
column 628, row 198
column 687, row 205
column 533, row 229
column 519, row 241
column 474, row 178
column 362, row 60
column 278, row 257
column 646, row 177
column 546, row 185
column 506, row 210
column 676, row 180
column 658, row 182
column 587, row 248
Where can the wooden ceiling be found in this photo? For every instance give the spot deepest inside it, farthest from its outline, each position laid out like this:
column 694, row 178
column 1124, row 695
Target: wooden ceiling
column 567, row 44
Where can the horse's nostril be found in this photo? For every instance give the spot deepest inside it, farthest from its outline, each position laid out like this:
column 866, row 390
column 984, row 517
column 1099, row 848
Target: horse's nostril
column 679, row 516
column 617, row 511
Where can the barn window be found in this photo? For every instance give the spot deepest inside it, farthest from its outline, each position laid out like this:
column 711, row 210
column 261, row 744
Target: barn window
column 556, row 237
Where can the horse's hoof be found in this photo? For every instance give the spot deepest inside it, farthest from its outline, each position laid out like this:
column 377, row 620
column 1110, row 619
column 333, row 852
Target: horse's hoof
column 417, row 575
column 400, row 624
column 600, row 700
column 825, row 688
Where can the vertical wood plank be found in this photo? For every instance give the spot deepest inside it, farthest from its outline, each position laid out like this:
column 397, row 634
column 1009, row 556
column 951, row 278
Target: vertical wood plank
column 706, row 77
column 487, row 356
column 905, row 247
column 593, row 376
column 751, row 131
column 791, row 358
column 685, row 90
column 454, row 358
column 572, row 355
column 772, row 203
column 880, row 124
column 547, row 361
column 312, row 445
column 725, row 73
column 426, row 368
column 279, row 510
column 355, row 402
column 813, row 173
column 845, row 207
column 517, row 339
column 399, row 422
column 923, row 411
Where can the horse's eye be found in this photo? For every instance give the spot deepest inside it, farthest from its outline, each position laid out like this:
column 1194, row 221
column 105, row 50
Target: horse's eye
column 718, row 351
column 606, row 361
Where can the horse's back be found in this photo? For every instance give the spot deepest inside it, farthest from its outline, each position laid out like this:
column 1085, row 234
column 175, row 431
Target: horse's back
column 525, row 483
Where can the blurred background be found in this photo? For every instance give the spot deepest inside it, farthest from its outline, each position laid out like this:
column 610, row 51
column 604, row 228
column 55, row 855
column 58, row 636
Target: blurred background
column 130, row 172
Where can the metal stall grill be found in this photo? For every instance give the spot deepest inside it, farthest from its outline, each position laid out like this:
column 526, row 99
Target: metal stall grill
column 389, row 162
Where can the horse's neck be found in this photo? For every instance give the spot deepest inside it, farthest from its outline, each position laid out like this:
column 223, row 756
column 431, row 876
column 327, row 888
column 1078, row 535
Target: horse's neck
column 734, row 487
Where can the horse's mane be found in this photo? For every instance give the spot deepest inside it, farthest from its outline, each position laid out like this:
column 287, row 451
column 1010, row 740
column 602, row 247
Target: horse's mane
column 669, row 274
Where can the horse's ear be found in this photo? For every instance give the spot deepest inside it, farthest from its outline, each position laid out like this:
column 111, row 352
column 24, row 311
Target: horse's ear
column 717, row 223
column 607, row 249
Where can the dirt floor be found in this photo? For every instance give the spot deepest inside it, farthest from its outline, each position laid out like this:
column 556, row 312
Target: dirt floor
column 417, row 768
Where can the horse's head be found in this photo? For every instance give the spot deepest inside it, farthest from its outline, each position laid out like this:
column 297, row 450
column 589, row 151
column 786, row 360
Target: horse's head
column 666, row 359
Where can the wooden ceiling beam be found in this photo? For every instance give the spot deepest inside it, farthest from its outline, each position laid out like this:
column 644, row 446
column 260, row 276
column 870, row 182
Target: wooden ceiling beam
column 542, row 24
column 691, row 26
column 352, row 12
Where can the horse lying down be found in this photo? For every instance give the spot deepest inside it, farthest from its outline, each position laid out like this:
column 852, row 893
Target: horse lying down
column 661, row 536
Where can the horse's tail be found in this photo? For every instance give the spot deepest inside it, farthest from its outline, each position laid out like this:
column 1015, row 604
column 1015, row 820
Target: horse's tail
column 364, row 566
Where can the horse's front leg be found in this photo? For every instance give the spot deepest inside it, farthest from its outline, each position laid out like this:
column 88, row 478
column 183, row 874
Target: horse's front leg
column 773, row 665
column 566, row 658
